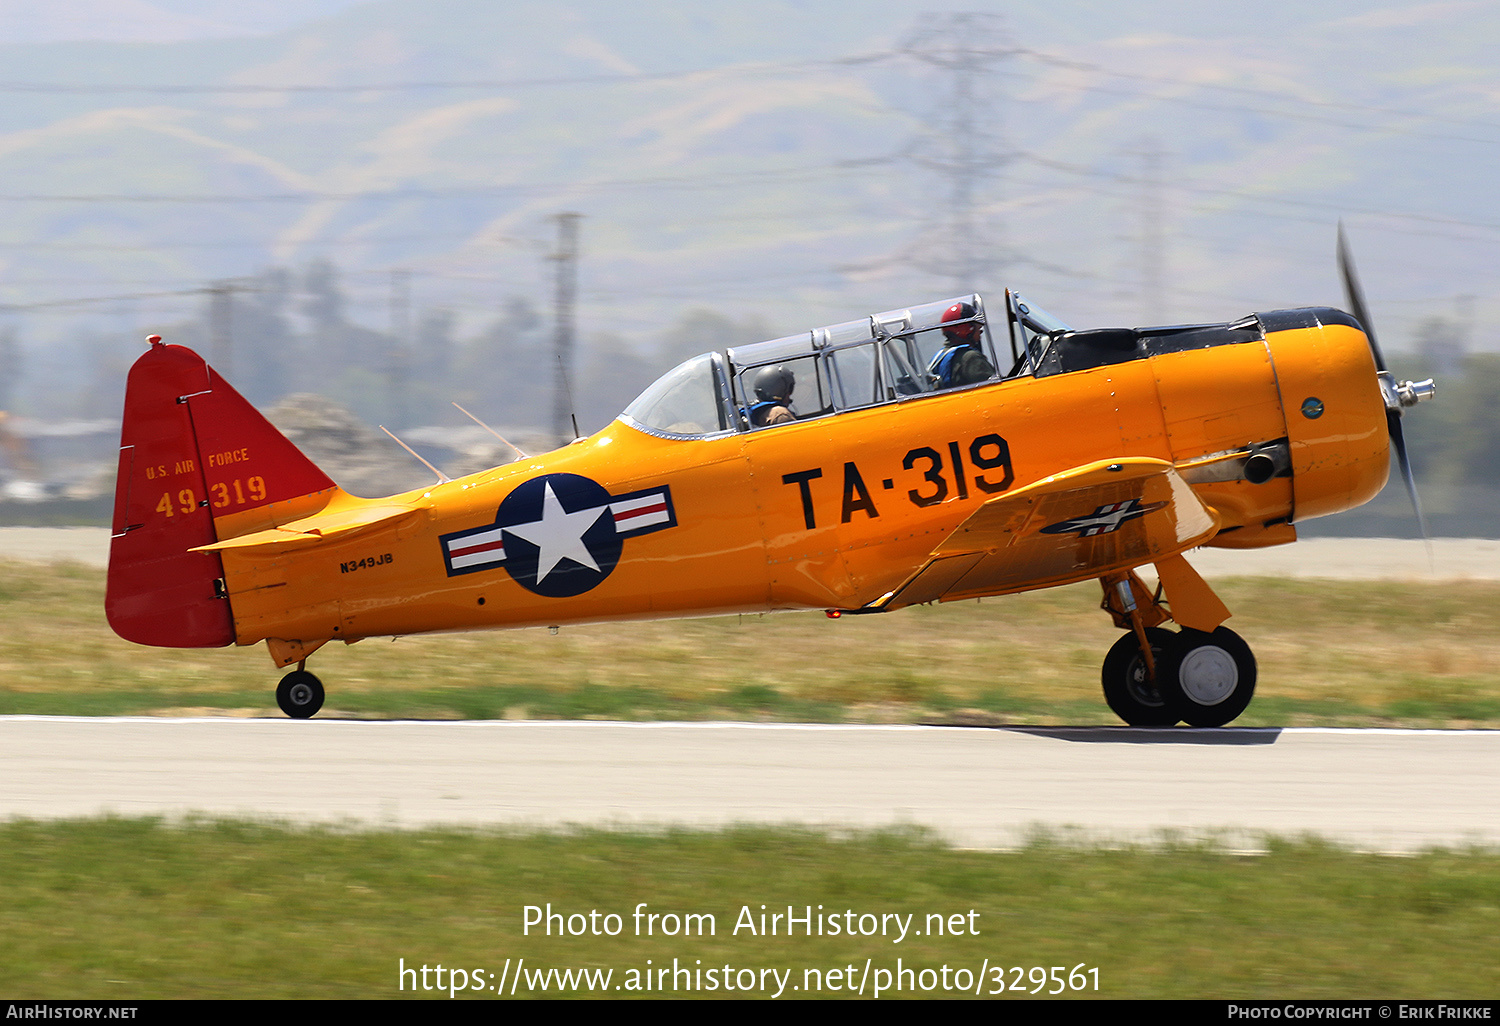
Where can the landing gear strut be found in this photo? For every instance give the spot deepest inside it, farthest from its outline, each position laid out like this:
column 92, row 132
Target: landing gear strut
column 299, row 694
column 1202, row 677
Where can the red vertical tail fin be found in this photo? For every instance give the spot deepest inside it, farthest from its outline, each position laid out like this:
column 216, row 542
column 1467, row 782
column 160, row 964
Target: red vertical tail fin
column 194, row 457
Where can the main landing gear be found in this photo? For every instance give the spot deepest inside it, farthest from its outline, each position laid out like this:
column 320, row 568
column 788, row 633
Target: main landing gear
column 1203, row 678
column 1130, row 686
column 299, row 694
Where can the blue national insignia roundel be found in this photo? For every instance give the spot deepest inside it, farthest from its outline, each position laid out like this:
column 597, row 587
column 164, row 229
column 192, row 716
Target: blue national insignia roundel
column 559, row 534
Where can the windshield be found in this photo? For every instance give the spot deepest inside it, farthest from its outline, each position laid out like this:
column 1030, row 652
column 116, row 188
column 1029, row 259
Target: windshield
column 683, row 401
column 1032, row 330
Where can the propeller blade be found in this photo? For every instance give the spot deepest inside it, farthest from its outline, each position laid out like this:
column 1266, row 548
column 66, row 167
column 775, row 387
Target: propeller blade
column 1356, row 297
column 1398, row 440
column 1361, row 312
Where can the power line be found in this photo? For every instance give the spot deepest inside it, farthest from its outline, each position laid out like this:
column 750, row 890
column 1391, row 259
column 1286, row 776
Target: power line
column 854, row 60
column 1207, row 190
column 724, row 179
column 235, row 89
column 773, row 68
column 1261, row 93
column 91, row 300
column 93, row 247
column 960, row 56
column 1383, row 128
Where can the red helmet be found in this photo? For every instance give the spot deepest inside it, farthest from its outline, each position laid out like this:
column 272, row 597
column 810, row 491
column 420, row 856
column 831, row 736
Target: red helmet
column 965, row 333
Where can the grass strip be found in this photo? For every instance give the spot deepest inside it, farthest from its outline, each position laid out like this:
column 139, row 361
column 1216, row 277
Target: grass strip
column 134, row 909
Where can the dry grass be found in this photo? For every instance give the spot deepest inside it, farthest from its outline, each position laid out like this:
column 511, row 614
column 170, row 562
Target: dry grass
column 1329, row 653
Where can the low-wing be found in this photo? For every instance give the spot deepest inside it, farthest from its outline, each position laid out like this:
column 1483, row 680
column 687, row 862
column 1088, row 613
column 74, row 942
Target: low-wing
column 1088, row 522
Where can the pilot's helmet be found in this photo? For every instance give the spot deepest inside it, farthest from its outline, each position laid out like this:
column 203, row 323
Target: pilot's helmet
column 967, row 334
column 773, row 383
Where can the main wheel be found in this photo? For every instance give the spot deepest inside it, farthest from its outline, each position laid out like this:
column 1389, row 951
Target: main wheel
column 1208, row 679
column 1127, row 687
column 299, row 694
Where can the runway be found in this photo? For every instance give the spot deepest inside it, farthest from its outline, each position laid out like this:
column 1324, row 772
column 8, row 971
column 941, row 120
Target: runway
column 1374, row 790
column 978, row 787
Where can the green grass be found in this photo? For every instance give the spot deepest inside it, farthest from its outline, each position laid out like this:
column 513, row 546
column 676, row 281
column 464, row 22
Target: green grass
column 132, row 909
column 1329, row 653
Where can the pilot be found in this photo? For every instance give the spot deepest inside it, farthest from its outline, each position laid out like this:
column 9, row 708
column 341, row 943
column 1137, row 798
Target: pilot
column 773, row 395
column 960, row 361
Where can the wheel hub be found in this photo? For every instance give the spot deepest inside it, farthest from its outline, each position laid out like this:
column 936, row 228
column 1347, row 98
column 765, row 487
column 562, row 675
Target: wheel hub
column 301, row 694
column 1142, row 689
column 1208, row 675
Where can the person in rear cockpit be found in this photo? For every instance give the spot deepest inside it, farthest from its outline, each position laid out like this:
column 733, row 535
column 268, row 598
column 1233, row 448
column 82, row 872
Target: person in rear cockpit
column 773, row 397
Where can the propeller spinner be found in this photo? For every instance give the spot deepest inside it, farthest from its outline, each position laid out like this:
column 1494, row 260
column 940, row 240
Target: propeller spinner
column 1398, row 395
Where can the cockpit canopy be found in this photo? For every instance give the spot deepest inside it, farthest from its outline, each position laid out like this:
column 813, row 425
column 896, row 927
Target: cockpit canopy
column 884, row 358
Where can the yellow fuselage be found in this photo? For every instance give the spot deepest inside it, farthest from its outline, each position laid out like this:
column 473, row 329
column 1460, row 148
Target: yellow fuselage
column 834, row 512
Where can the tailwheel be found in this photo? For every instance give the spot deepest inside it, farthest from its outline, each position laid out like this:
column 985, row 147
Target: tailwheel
column 299, row 694
column 1207, row 678
column 1128, row 687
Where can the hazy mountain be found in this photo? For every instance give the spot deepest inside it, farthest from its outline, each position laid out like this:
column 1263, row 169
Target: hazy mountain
column 787, row 161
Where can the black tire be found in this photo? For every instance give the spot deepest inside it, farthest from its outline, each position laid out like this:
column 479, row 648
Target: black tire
column 1208, row 679
column 1135, row 699
column 299, row 694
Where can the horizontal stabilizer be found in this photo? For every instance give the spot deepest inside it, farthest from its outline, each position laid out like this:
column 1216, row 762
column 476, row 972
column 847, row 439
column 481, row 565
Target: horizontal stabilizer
column 1087, row 522
column 339, row 525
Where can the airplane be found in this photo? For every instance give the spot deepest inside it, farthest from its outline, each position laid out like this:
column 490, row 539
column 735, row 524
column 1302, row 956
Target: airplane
column 857, row 468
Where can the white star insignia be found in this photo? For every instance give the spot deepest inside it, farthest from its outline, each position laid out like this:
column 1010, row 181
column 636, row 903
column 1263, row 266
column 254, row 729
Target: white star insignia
column 559, row 535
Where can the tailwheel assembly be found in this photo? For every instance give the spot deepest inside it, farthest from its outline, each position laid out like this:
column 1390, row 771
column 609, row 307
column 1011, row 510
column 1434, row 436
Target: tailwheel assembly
column 299, row 694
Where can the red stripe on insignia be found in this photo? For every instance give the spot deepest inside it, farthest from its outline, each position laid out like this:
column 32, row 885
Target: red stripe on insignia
column 641, row 511
column 472, row 549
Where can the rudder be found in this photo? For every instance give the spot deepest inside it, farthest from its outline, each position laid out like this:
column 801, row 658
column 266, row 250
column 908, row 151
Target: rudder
column 195, row 457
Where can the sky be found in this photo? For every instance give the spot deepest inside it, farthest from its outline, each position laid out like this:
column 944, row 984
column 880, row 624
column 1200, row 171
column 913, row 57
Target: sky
column 1272, row 122
column 161, row 21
